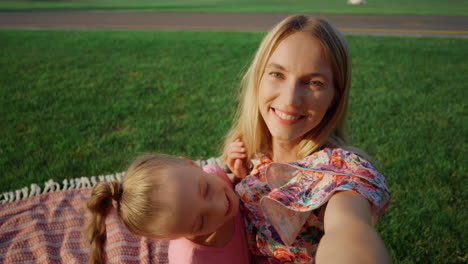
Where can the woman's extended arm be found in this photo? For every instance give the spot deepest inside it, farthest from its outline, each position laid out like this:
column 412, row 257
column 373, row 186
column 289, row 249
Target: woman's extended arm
column 349, row 234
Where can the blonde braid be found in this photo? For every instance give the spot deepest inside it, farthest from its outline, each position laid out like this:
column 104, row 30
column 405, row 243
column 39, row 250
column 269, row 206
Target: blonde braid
column 100, row 204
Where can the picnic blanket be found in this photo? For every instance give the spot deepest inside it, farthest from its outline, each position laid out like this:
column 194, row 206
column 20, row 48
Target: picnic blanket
column 48, row 226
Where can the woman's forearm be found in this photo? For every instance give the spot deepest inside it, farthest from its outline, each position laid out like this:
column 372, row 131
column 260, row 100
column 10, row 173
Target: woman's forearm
column 360, row 245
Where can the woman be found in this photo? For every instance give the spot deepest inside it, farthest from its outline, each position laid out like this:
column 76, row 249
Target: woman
column 292, row 107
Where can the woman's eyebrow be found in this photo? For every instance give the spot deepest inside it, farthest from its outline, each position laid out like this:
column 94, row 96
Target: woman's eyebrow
column 281, row 68
column 276, row 66
column 316, row 74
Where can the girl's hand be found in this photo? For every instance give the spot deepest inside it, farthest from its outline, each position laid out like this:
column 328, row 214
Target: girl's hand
column 237, row 159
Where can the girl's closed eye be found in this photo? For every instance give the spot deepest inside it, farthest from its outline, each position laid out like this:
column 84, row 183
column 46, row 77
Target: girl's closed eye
column 207, row 190
column 202, row 223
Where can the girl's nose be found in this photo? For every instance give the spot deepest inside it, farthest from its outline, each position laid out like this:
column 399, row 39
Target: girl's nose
column 291, row 93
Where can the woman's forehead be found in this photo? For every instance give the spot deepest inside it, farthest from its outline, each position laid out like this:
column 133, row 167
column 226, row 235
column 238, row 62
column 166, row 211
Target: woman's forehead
column 301, row 53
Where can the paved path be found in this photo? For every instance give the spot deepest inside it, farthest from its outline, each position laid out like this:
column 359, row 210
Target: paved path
column 419, row 25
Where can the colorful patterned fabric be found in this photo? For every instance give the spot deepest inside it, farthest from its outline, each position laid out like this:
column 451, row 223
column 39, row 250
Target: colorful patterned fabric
column 279, row 201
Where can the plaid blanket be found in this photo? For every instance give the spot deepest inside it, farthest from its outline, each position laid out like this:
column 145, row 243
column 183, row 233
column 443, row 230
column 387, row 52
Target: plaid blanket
column 49, row 228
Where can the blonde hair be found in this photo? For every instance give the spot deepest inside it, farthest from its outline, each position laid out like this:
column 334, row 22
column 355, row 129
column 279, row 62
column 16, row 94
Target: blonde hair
column 249, row 125
column 139, row 201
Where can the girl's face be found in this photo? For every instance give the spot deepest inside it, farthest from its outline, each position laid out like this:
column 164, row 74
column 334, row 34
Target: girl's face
column 296, row 88
column 203, row 202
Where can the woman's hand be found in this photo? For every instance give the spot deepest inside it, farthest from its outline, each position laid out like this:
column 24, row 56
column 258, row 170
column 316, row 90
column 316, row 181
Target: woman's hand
column 237, row 159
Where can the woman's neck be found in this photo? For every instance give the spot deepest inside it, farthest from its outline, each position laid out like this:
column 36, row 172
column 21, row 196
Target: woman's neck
column 285, row 150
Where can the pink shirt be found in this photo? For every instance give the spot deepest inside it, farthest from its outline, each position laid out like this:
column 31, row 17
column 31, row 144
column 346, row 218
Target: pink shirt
column 184, row 251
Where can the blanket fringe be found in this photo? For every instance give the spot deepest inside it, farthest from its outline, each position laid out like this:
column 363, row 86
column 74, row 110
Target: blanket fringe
column 77, row 183
column 53, row 186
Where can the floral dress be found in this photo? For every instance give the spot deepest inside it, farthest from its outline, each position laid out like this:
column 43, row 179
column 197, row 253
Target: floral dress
column 279, row 201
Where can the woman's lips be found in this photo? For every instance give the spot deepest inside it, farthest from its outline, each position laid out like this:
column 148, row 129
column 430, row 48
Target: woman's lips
column 287, row 118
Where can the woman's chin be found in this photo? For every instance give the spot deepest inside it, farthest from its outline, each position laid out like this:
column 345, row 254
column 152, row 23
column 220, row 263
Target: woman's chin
column 286, row 136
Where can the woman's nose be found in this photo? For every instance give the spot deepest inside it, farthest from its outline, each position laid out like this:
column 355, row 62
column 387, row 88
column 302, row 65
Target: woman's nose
column 291, row 93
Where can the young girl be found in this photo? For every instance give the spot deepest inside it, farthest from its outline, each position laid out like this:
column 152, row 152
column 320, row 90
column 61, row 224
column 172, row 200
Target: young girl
column 310, row 197
column 166, row 197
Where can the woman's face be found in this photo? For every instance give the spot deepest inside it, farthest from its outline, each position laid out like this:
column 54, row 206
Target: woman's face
column 296, row 88
column 202, row 202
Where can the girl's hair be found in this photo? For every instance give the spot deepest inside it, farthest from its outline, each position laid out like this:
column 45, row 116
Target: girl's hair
column 141, row 202
column 249, row 124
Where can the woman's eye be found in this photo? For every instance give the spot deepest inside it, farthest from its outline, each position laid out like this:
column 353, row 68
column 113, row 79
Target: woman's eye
column 276, row 74
column 316, row 83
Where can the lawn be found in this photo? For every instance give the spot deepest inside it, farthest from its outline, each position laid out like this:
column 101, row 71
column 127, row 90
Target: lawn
column 454, row 7
column 82, row 103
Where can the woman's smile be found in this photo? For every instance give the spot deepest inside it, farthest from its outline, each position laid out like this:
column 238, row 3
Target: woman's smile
column 286, row 118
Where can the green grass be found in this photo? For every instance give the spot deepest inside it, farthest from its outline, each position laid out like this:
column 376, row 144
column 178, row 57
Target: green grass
column 454, row 7
column 82, row 103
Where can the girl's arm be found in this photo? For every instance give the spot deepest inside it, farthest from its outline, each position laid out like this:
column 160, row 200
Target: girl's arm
column 349, row 235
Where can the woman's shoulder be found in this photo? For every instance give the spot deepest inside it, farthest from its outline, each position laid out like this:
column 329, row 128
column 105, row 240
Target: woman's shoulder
column 328, row 158
column 341, row 161
column 339, row 158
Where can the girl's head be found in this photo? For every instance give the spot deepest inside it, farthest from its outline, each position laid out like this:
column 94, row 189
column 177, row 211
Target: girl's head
column 279, row 66
column 163, row 197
